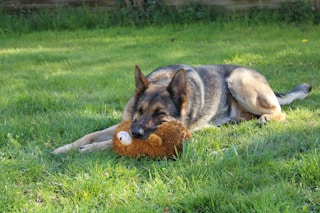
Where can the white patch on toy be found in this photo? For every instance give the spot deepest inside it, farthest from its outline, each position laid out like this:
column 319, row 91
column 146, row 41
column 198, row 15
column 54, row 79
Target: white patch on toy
column 124, row 138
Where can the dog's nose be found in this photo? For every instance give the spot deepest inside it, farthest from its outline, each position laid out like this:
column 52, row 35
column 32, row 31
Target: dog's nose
column 137, row 133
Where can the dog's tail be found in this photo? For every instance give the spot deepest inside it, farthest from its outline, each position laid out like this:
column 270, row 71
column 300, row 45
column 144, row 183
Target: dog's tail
column 301, row 91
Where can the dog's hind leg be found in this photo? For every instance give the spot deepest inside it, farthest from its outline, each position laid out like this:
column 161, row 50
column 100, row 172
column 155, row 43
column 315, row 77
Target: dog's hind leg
column 90, row 141
column 253, row 94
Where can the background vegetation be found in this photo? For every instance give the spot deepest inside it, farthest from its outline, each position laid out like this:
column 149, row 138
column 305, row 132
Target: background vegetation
column 154, row 13
column 58, row 85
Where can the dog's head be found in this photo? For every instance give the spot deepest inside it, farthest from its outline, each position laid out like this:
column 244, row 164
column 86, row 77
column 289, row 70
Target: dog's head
column 156, row 102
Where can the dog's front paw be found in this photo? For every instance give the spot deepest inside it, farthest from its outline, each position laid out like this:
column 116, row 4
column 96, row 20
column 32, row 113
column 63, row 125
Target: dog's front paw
column 264, row 119
column 86, row 148
column 57, row 151
column 62, row 149
column 96, row 146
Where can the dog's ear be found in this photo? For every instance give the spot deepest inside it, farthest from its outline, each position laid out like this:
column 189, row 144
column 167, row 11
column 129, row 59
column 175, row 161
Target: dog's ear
column 178, row 89
column 178, row 86
column 142, row 82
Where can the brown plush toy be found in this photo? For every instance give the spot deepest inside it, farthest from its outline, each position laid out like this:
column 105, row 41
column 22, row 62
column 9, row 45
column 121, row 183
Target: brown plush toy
column 166, row 141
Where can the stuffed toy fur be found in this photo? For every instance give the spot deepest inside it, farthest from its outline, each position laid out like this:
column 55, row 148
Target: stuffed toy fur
column 166, row 141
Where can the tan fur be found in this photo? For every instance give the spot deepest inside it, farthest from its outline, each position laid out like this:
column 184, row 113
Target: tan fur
column 254, row 96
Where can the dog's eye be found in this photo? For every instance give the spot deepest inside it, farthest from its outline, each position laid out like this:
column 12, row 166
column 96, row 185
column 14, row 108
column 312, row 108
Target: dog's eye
column 159, row 112
column 162, row 113
column 140, row 111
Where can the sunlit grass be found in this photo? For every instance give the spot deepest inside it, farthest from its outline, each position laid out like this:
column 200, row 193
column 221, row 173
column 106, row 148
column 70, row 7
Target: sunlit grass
column 58, row 86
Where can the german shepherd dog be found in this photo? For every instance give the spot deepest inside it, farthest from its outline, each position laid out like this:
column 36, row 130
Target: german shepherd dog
column 198, row 97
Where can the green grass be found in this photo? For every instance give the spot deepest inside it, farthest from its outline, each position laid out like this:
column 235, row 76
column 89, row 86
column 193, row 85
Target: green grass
column 58, row 86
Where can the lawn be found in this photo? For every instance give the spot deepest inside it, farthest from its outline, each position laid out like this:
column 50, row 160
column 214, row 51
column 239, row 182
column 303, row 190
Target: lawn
column 57, row 86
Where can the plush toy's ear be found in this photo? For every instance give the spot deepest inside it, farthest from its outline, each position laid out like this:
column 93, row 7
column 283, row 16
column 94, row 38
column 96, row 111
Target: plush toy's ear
column 154, row 140
column 142, row 82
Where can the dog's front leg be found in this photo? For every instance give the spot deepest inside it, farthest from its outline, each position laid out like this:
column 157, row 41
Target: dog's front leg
column 103, row 136
column 103, row 145
column 73, row 146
